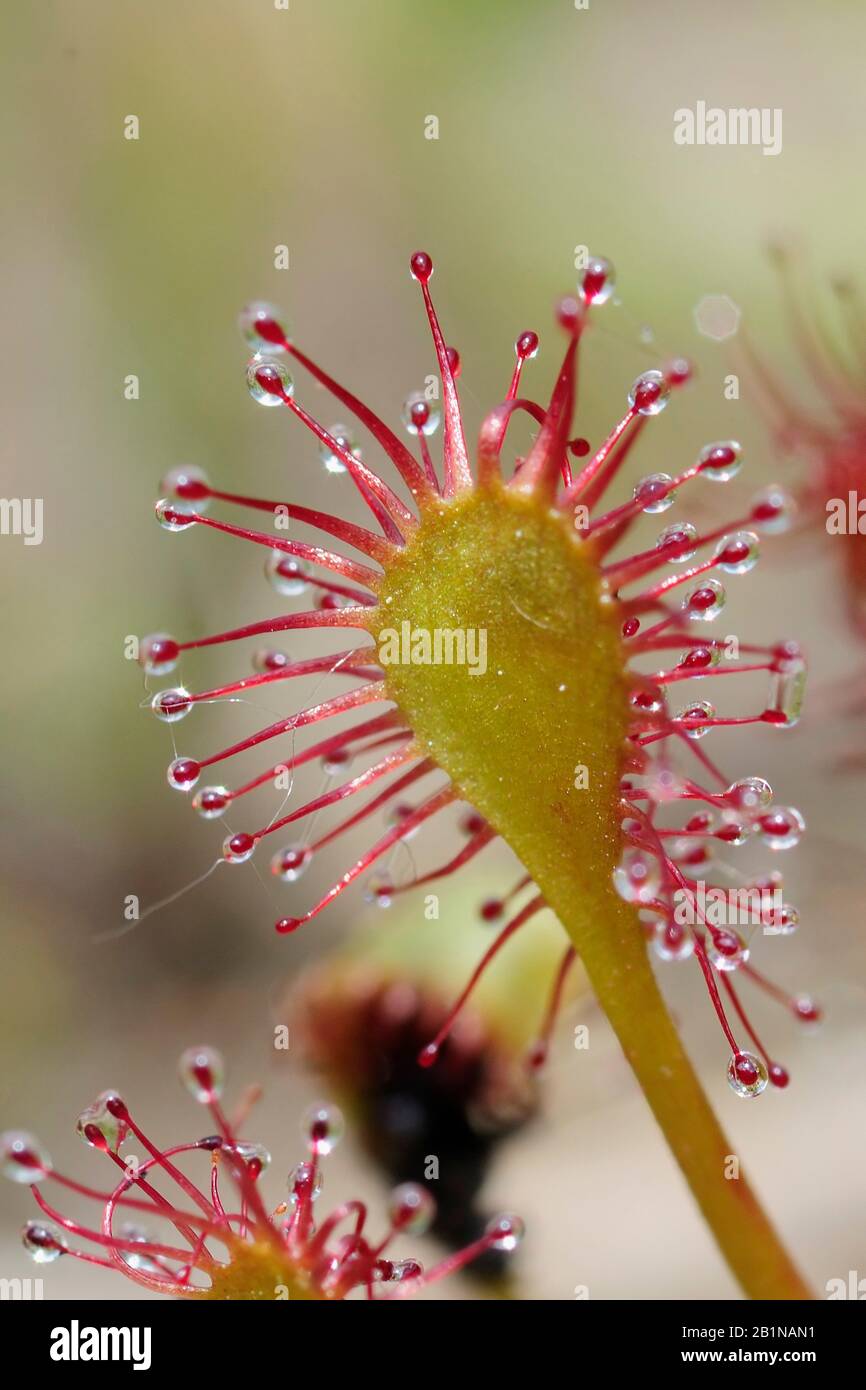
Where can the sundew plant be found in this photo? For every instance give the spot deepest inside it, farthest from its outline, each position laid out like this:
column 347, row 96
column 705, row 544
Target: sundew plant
column 509, row 647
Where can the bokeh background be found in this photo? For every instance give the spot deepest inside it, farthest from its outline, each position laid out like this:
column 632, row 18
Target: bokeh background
column 305, row 127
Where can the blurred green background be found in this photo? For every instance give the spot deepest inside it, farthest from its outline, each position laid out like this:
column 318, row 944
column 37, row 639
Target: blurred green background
column 305, row 128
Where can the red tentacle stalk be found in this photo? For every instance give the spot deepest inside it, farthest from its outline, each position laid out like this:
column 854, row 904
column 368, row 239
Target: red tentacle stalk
column 431, row 1052
column 455, row 457
column 351, row 569
column 538, row 1053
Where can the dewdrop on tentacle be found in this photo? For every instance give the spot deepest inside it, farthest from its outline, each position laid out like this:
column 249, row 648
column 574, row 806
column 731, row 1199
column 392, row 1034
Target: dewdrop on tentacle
column 291, row 862
column 22, row 1158
column 211, row 802
column 654, row 492
column 418, row 417
column 221, row 1242
column 330, row 460
column 202, row 1072
column 650, row 394
column 598, row 282
column 721, row 462
column 587, row 632
column 747, row 1074
column 173, row 516
column 261, row 327
column 323, row 1124
column 102, row 1124
column 287, row 575
column 44, row 1242
column 187, row 489
column 781, row 827
column 171, row 705
column 268, row 381
column 158, row 654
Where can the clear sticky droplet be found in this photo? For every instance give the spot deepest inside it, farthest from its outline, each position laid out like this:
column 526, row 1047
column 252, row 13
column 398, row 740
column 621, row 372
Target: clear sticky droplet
column 701, row 709
column 182, row 774
column 411, row 1208
column 654, row 493
column 676, row 540
column 420, row 416
column 202, row 1071
column 647, row 699
column 672, row 941
column 158, row 654
column 773, row 509
column 304, row 1180
column 171, row 705
column 256, row 1157
column 650, row 393
column 727, row 949
column 705, row 602
column 286, row 574
column 505, row 1232
column 239, row 848
column 700, row 658
column 261, row 325
column 268, row 659
column 749, row 794
column 187, row 488
column 738, row 553
column 133, row 1258
column 323, row 1127
column 331, row 461
column 807, row 1011
column 211, row 802
column 379, row 890
column 99, row 1127
column 781, row 921
column 291, row 862
column 721, row 462
column 598, row 282
column 781, row 827
column 336, row 762
column 637, row 877
column 171, row 517
column 526, row 346
column 269, row 380
column 734, row 830
column 22, row 1157
column 788, row 690
column 44, row 1242
column 747, row 1075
